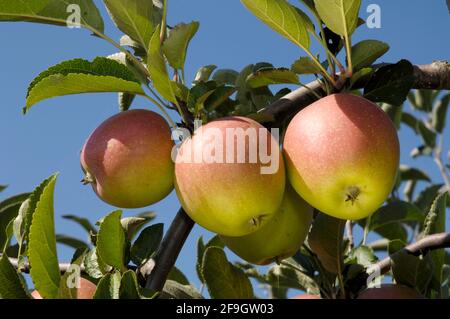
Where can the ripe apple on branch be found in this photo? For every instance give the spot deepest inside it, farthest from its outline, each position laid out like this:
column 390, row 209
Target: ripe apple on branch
column 280, row 178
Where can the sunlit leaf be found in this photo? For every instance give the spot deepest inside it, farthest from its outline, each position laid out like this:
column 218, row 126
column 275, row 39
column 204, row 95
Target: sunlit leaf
column 42, row 244
column 281, row 17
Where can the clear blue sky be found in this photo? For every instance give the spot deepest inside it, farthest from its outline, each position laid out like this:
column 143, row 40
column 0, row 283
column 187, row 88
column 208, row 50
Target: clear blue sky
column 50, row 137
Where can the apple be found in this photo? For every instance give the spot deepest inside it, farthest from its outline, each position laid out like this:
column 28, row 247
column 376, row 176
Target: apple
column 222, row 180
column 390, row 291
column 281, row 237
column 86, row 290
column 342, row 155
column 306, row 296
column 127, row 159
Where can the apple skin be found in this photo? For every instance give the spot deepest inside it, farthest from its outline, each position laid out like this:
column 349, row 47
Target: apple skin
column 86, row 290
column 390, row 291
column 306, row 296
column 342, row 155
column 232, row 199
column 281, row 237
column 129, row 159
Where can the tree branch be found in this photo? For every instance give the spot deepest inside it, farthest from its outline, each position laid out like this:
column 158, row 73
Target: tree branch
column 169, row 250
column 25, row 268
column 434, row 76
column 441, row 166
column 422, row 246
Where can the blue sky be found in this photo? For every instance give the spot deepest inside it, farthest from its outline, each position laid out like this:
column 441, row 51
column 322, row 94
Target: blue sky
column 50, row 137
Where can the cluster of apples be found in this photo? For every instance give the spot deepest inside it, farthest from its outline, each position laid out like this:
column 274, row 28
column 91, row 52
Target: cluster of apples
column 340, row 155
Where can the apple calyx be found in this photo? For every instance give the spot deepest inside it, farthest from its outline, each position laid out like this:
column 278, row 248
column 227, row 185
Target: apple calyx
column 88, row 179
column 257, row 221
column 352, row 194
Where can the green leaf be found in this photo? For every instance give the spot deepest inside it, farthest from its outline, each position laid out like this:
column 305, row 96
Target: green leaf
column 445, row 287
column 136, row 18
column 394, row 112
column 421, row 150
column 410, row 270
column 395, row 212
column 361, row 74
column 427, row 135
column 435, row 223
column 340, row 16
column 200, row 252
column 367, row 52
column 261, row 97
column 411, row 173
column 439, row 114
column 306, row 20
column 135, row 67
column 201, row 248
column 391, row 84
column 204, row 73
column 325, row 239
column 178, row 276
column 109, row 286
column 266, row 77
column 83, row 222
column 435, row 219
column 175, row 290
column 129, row 287
column 132, row 225
column 50, row 12
column 288, row 277
column 42, row 244
column 125, row 100
column 22, row 222
column 147, row 243
column 393, row 231
column 9, row 210
column 199, row 94
column 111, row 241
column 305, row 65
column 94, row 266
column 423, row 100
column 251, row 272
column 427, row 196
column 158, row 69
column 278, row 293
column 409, row 189
column 362, row 255
column 395, row 246
column 139, row 51
column 281, row 17
column 80, row 76
column 410, row 120
column 223, row 279
column 71, row 241
column 13, row 201
column 176, row 45
column 225, row 77
column 3, row 187
column 11, row 285
column 218, row 97
column 243, row 92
